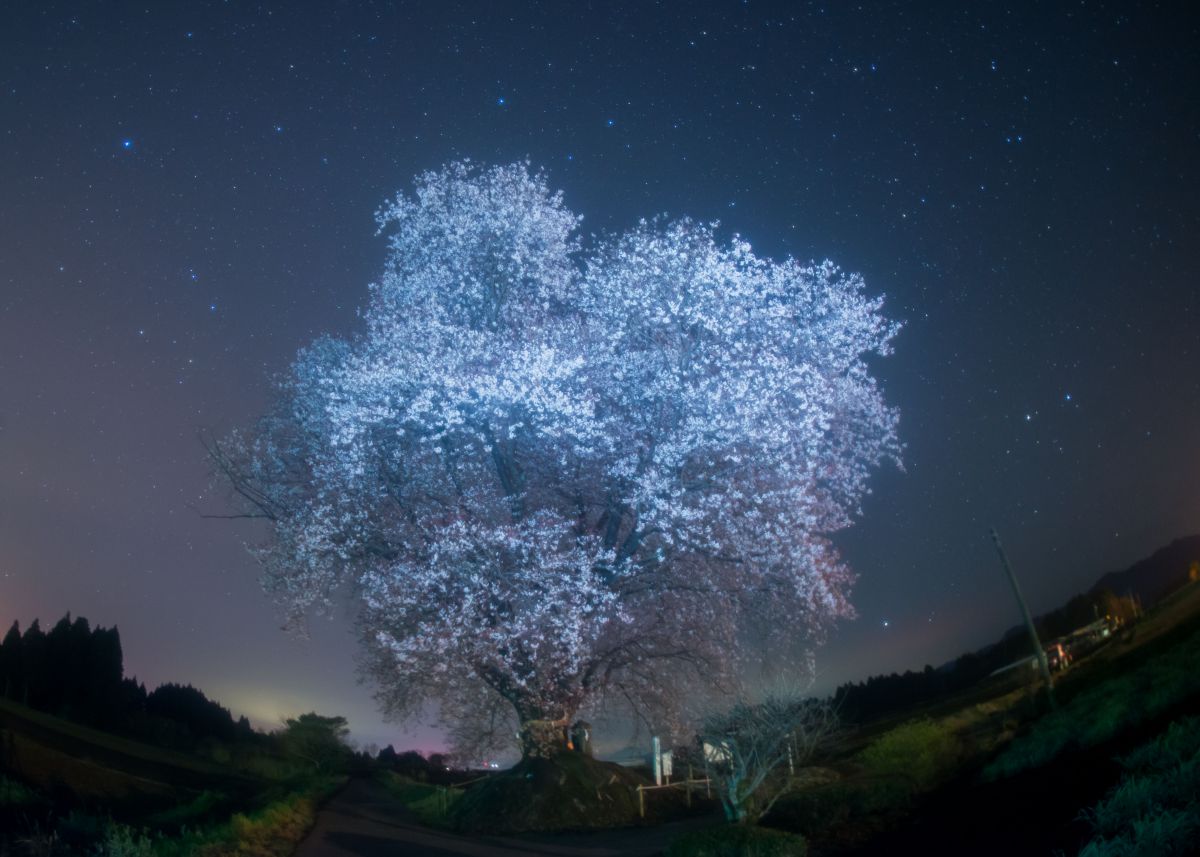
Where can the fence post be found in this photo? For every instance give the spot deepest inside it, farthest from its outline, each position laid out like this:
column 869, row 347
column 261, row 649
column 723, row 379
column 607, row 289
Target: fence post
column 641, row 802
column 688, row 787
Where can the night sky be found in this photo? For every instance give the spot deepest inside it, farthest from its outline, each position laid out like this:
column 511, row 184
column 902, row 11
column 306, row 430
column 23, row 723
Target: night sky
column 187, row 195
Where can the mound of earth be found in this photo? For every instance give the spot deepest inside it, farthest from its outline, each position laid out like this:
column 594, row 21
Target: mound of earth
column 570, row 791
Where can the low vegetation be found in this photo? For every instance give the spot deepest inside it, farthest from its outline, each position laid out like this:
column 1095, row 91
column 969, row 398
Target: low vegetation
column 738, row 840
column 432, row 804
column 271, row 831
column 916, row 755
column 1107, row 708
column 885, row 778
column 1156, row 807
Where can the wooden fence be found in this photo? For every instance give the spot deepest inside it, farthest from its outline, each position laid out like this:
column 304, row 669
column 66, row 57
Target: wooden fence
column 686, row 785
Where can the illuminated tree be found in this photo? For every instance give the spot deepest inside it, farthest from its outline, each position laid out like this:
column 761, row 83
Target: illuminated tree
column 754, row 749
column 554, row 479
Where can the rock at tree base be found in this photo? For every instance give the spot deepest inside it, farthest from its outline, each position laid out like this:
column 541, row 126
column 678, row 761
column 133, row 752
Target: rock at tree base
column 570, row 791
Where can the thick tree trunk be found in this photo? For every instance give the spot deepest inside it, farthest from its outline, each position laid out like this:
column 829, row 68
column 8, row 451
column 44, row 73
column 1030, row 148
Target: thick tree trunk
column 543, row 739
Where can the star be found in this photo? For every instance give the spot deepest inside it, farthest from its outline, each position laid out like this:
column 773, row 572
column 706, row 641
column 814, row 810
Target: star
column 127, row 144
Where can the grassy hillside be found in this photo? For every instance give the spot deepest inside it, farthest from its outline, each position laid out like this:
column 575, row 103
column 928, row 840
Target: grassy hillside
column 51, row 753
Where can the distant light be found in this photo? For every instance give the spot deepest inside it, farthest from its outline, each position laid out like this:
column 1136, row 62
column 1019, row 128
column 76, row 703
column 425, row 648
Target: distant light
column 886, row 623
column 127, row 144
column 611, row 122
column 500, row 101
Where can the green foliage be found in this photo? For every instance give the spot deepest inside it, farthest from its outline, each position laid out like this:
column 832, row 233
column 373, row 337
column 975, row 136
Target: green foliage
column 435, row 809
column 1156, row 807
column 123, row 841
column 812, row 810
column 738, row 840
column 1106, row 709
column 912, row 758
column 917, row 754
column 319, row 741
column 405, row 789
column 203, row 806
column 271, row 831
column 431, row 803
column 14, row 794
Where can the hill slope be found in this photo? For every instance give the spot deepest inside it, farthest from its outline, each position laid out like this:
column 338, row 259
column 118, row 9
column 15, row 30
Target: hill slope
column 1156, row 575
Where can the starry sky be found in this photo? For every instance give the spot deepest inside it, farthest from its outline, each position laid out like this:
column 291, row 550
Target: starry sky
column 187, row 195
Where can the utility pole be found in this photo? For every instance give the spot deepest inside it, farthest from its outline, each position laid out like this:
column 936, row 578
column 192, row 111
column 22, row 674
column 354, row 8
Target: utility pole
column 1043, row 664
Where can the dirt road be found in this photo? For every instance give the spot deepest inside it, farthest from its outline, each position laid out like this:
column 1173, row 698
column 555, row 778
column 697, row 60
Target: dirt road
column 363, row 820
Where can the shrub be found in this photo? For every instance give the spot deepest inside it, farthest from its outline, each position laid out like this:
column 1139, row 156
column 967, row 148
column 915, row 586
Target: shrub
column 203, row 806
column 273, row 831
column 434, row 808
column 1156, row 807
column 123, row 841
column 918, row 754
column 738, row 840
column 14, row 794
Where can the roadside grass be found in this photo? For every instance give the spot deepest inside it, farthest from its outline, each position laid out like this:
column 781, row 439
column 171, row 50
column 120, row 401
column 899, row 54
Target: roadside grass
column 918, row 754
column 15, row 795
column 1107, row 708
column 738, row 840
column 202, row 807
column 42, row 726
column 431, row 804
column 882, row 780
column 1156, row 807
column 274, row 830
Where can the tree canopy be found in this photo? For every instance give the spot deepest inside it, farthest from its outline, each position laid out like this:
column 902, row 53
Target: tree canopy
column 553, row 476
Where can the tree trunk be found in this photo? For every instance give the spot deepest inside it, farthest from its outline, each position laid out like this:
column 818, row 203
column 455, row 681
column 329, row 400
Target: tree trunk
column 543, row 739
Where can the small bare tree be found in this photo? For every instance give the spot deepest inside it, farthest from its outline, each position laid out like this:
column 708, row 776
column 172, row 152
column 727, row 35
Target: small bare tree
column 754, row 750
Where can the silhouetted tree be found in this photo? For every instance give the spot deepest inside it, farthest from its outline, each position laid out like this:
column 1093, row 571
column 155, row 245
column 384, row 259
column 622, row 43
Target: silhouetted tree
column 190, row 708
column 11, row 675
column 319, row 741
column 34, row 666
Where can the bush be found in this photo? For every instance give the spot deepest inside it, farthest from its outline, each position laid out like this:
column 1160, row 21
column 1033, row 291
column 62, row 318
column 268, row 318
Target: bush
column 272, row 831
column 123, row 841
column 1156, row 807
column 918, row 754
column 14, row 794
column 738, row 840
column 434, row 809
column 205, row 806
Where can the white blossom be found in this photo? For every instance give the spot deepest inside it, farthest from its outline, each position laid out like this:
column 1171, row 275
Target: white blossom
column 554, row 476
